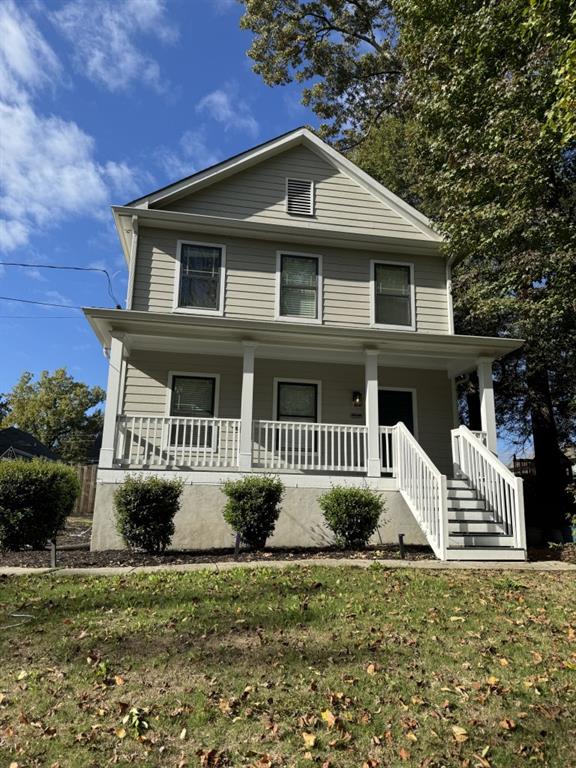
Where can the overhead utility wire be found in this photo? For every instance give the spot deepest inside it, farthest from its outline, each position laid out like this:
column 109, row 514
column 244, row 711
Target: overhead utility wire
column 42, row 303
column 76, row 269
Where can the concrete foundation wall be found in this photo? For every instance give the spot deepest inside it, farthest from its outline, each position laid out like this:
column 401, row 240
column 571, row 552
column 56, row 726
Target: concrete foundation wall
column 200, row 525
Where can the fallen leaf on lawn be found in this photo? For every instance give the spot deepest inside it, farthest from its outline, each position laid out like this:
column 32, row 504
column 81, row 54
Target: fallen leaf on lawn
column 182, row 734
column 309, row 739
column 504, row 662
column 492, row 680
column 370, row 763
column 371, row 669
column 329, row 718
column 22, row 675
column 404, row 754
column 537, row 657
column 120, row 733
column 508, row 724
column 118, row 680
column 460, row 734
column 457, row 618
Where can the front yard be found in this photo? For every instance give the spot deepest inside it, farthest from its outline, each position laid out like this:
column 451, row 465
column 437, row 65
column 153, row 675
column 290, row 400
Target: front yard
column 298, row 667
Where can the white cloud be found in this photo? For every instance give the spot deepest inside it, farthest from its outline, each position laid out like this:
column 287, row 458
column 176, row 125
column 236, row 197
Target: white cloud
column 103, row 34
column 231, row 112
column 49, row 170
column 192, row 154
column 26, row 60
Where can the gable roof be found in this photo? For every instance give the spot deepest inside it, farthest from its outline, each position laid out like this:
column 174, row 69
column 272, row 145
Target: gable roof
column 15, row 442
column 261, row 152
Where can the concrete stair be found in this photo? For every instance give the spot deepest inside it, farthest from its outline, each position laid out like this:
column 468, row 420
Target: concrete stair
column 473, row 532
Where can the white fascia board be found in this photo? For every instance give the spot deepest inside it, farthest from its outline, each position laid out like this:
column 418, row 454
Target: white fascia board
column 399, row 206
column 126, row 245
column 221, row 170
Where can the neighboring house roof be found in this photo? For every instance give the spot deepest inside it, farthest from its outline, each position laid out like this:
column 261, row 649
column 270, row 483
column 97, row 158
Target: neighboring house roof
column 15, row 443
column 158, row 199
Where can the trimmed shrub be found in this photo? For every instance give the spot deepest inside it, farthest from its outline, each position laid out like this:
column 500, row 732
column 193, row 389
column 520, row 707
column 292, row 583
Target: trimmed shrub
column 36, row 497
column 145, row 509
column 253, row 507
column 352, row 514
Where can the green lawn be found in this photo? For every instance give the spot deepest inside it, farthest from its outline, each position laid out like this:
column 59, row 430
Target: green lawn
column 299, row 667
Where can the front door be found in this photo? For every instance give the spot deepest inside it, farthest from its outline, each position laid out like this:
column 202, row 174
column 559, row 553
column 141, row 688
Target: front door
column 394, row 405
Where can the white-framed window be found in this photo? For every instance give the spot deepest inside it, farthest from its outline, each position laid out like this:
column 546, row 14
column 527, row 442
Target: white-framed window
column 297, row 400
column 192, row 395
column 300, row 197
column 299, row 287
column 392, row 295
column 200, row 278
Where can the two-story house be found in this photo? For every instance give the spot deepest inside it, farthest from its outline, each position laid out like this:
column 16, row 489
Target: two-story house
column 288, row 314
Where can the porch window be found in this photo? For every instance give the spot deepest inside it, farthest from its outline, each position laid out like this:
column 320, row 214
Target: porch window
column 297, row 402
column 201, row 277
column 393, row 295
column 299, row 282
column 193, row 396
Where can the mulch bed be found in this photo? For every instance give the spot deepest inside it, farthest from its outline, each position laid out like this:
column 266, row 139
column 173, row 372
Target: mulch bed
column 74, row 542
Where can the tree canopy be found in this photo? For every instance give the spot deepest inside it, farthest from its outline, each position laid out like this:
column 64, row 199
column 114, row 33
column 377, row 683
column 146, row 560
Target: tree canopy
column 58, row 410
column 467, row 110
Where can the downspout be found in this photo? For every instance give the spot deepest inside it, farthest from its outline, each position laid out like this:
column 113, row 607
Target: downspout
column 132, row 263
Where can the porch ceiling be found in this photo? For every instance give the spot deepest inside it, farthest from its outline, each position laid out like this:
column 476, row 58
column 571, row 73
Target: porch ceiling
column 292, row 341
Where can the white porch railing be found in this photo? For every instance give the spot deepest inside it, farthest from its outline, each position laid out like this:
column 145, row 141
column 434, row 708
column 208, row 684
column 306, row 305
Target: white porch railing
column 423, row 487
column 387, row 449
column 502, row 491
column 294, row 445
column 482, row 436
column 170, row 441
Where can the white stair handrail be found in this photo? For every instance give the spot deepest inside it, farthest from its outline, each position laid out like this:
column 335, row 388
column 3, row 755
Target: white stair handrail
column 423, row 487
column 500, row 488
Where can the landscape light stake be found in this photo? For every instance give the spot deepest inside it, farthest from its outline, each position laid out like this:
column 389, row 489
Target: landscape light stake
column 52, row 553
column 237, row 546
column 401, row 545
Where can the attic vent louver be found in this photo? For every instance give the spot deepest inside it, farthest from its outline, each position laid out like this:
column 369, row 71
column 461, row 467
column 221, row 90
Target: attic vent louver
column 300, row 197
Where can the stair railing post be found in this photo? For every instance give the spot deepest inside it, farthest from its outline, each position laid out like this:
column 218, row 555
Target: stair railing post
column 455, row 452
column 443, row 522
column 519, row 521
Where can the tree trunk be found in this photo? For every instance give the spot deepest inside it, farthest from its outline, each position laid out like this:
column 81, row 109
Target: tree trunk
column 548, row 457
column 473, row 403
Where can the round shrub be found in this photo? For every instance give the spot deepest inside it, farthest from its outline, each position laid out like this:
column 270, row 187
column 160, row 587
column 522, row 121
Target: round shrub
column 352, row 514
column 145, row 509
column 36, row 497
column 253, row 507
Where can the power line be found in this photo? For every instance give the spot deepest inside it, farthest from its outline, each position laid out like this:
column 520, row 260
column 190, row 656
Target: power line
column 41, row 303
column 75, row 269
column 39, row 317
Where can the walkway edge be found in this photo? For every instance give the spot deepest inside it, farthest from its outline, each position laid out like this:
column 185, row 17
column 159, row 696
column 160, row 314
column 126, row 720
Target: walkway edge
column 417, row 565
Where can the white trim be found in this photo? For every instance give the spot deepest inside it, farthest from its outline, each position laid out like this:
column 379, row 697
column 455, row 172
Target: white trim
column 312, row 213
column 193, row 375
column 287, row 380
column 373, row 323
column 414, row 392
column 449, row 300
column 176, row 295
column 132, row 263
column 295, row 138
column 319, row 290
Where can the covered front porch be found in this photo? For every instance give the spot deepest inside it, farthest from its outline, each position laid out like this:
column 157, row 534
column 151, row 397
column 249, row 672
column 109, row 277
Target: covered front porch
column 290, row 399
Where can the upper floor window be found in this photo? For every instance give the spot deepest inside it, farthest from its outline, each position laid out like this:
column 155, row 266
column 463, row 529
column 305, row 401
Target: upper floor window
column 299, row 287
column 200, row 278
column 300, row 197
column 393, row 295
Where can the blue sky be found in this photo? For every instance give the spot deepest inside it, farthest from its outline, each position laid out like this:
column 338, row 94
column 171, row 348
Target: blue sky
column 100, row 101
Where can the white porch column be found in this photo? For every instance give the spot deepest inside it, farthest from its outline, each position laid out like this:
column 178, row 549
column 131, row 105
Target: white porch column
column 113, row 395
column 247, row 406
column 487, row 406
column 374, row 465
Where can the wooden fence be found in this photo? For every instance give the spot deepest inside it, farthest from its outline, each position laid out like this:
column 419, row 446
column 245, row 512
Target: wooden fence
column 84, row 506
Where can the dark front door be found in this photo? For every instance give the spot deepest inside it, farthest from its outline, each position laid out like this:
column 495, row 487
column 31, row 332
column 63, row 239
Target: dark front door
column 394, row 405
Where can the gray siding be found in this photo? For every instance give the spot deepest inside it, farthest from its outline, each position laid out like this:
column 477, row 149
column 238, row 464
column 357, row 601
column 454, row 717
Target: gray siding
column 251, row 276
column 147, row 379
column 259, row 194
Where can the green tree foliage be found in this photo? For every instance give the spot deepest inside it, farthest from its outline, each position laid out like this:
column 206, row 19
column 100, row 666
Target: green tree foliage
column 481, row 109
column 57, row 410
column 344, row 50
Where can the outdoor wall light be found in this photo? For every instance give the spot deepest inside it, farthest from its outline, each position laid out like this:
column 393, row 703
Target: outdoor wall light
column 357, row 399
